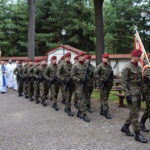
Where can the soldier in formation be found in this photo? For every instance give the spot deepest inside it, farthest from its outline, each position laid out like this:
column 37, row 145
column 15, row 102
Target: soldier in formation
column 76, row 81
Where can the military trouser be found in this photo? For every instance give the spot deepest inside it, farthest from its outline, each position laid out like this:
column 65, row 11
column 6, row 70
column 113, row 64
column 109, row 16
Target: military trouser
column 25, row 87
column 104, row 94
column 54, row 90
column 36, row 89
column 134, row 112
column 88, row 92
column 74, row 94
column 81, row 96
column 62, row 90
column 20, row 89
column 30, row 89
column 42, row 90
column 146, row 114
column 68, row 95
column 46, row 88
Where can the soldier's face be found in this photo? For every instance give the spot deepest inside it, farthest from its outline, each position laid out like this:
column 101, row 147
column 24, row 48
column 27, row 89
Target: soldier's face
column 87, row 61
column 136, row 59
column 105, row 60
column 68, row 58
column 76, row 60
column 54, row 61
column 82, row 58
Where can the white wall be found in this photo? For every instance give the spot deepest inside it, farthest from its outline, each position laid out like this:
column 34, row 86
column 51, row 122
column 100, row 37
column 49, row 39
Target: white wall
column 59, row 53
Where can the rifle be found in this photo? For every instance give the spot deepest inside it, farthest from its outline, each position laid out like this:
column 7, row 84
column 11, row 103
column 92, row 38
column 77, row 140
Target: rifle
column 52, row 81
column 108, row 77
column 67, row 83
column 85, row 76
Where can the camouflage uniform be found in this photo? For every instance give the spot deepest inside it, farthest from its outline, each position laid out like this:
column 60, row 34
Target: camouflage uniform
column 30, row 81
column 42, row 82
column 50, row 74
column 18, row 73
column 77, row 74
column 35, row 84
column 25, row 83
column 146, row 97
column 63, row 73
column 100, row 74
column 132, row 85
column 89, row 86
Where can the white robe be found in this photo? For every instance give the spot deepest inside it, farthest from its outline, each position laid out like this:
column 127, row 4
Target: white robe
column 2, row 86
column 15, row 85
column 9, row 75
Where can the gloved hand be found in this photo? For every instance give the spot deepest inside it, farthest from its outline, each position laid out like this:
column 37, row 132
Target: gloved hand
column 129, row 99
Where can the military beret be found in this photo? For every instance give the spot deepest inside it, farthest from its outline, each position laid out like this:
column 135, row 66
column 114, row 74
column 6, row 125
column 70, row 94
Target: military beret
column 67, row 55
column 19, row 62
column 30, row 60
column 105, row 55
column 62, row 58
column 53, row 58
column 36, row 60
column 81, row 54
column 76, row 57
column 149, row 56
column 87, row 56
column 136, row 53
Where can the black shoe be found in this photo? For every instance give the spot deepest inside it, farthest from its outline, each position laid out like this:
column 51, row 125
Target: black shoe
column 66, row 110
column 125, row 129
column 19, row 95
column 139, row 137
column 44, row 103
column 37, row 101
column 102, row 112
column 31, row 99
column 142, row 125
column 70, row 113
column 85, row 118
column 107, row 115
column 26, row 96
column 89, row 109
column 55, row 106
column 79, row 114
column 63, row 101
column 76, row 105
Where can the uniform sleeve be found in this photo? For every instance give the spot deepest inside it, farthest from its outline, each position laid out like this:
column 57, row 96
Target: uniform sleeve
column 47, row 72
column 15, row 71
column 124, row 79
column 147, row 75
column 60, row 72
column 73, row 74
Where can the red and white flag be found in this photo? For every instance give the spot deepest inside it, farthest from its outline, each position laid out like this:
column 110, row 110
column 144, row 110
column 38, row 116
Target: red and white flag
column 139, row 45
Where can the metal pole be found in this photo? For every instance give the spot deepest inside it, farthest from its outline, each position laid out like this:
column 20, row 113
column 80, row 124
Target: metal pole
column 63, row 46
column 144, row 32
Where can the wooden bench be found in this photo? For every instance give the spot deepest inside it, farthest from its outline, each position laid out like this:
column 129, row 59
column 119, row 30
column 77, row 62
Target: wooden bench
column 121, row 98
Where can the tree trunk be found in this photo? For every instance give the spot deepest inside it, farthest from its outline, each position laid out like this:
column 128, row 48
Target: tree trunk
column 31, row 30
column 98, row 4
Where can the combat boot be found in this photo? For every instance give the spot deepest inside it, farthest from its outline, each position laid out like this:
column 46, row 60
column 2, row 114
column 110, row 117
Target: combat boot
column 107, row 115
column 142, row 125
column 63, row 101
column 26, row 96
column 31, row 98
column 20, row 94
column 89, row 108
column 70, row 113
column 125, row 129
column 66, row 110
column 102, row 112
column 55, row 106
column 76, row 105
column 139, row 137
column 85, row 118
column 37, row 100
column 44, row 103
column 79, row 114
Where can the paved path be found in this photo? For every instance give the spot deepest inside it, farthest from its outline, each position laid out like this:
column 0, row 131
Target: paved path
column 25, row 125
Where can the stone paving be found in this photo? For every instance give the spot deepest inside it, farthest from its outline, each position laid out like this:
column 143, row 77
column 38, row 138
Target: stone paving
column 25, row 125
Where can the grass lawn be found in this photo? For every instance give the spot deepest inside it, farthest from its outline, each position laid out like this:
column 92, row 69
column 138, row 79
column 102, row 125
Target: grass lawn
column 112, row 98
